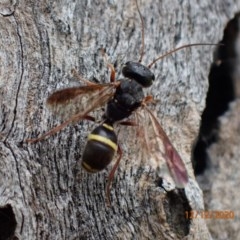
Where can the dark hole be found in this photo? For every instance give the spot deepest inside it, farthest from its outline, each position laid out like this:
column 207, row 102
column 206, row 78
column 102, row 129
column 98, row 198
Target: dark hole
column 176, row 206
column 7, row 223
column 220, row 94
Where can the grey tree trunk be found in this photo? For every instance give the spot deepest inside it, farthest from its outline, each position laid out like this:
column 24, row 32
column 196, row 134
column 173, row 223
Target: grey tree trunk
column 44, row 193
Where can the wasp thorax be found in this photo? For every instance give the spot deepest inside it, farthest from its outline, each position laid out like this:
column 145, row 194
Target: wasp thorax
column 138, row 72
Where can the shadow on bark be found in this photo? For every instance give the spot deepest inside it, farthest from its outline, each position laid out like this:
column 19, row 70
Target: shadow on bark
column 222, row 82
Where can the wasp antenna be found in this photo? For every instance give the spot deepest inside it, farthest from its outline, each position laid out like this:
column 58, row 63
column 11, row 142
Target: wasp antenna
column 142, row 26
column 179, row 48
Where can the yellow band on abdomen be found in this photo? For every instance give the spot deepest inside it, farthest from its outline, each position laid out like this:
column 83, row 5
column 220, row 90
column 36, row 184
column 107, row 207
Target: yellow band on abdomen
column 88, row 168
column 103, row 140
column 109, row 127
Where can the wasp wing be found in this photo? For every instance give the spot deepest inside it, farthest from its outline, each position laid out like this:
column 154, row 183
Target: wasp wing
column 154, row 146
column 70, row 101
column 74, row 104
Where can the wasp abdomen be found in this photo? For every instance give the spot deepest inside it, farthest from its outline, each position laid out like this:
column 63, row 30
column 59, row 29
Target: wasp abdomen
column 100, row 148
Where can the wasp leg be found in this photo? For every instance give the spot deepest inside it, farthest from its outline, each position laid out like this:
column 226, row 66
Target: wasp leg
column 58, row 128
column 112, row 69
column 128, row 123
column 80, row 78
column 148, row 99
column 111, row 175
column 113, row 72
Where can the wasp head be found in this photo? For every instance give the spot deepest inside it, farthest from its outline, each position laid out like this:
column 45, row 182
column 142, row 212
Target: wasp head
column 138, row 72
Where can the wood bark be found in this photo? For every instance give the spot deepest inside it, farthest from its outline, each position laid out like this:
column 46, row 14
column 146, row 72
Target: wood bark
column 44, row 193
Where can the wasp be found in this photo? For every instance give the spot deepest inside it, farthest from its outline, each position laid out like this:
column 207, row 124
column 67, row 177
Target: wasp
column 123, row 98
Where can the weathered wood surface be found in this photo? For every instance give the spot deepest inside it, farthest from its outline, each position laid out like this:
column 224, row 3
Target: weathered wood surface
column 40, row 42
